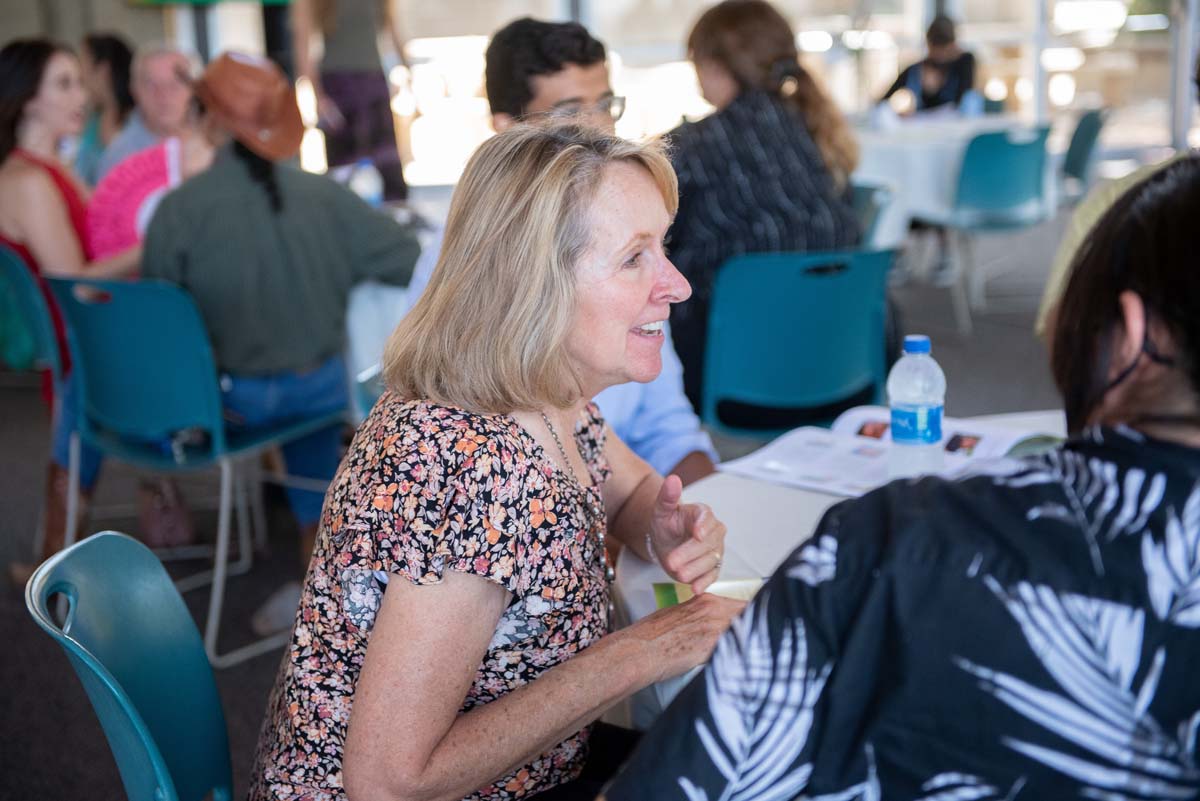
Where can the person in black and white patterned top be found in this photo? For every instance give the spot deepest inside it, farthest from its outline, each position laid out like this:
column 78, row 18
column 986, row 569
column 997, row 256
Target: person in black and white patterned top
column 1029, row 631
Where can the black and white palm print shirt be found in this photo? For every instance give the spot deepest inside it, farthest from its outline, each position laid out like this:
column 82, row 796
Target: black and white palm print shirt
column 1031, row 631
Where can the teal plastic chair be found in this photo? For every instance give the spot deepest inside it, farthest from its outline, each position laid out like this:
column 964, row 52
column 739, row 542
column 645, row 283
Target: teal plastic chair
column 27, row 315
column 1080, row 156
column 870, row 201
column 802, row 332
column 1001, row 187
column 149, row 397
column 138, row 654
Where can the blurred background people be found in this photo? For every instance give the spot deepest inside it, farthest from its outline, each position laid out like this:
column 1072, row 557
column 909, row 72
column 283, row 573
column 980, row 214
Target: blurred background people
column 944, row 76
column 42, row 218
column 353, row 96
column 107, row 61
column 546, row 71
column 270, row 253
column 161, row 89
column 768, row 171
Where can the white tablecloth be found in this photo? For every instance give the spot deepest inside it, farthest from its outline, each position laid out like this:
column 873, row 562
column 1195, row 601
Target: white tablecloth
column 766, row 522
column 920, row 160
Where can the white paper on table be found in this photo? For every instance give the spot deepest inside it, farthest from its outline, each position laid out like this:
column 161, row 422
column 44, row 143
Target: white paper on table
column 851, row 457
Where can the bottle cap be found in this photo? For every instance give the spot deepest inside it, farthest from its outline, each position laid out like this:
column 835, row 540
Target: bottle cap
column 916, row 343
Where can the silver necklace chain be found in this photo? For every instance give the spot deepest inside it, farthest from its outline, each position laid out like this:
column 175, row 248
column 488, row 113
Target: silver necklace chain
column 594, row 512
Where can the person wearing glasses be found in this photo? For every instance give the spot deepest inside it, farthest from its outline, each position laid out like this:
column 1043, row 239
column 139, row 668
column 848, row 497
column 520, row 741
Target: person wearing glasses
column 540, row 71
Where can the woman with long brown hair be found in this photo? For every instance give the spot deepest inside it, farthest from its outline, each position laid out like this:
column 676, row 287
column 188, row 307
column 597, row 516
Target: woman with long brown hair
column 768, row 171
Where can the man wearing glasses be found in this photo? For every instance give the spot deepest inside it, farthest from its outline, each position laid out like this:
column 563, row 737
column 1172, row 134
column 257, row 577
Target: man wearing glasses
column 557, row 70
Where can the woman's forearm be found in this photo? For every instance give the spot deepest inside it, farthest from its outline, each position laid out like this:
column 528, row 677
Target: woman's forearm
column 491, row 740
column 632, row 521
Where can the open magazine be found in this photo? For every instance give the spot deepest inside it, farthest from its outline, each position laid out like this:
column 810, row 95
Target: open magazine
column 851, row 456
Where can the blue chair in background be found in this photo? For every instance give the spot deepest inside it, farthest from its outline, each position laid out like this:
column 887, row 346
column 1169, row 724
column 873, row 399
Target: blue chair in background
column 870, row 202
column 138, row 654
column 798, row 333
column 1001, row 187
column 149, row 397
column 1077, row 164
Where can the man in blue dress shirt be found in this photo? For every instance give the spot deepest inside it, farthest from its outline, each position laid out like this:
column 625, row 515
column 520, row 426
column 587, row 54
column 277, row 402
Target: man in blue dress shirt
column 558, row 70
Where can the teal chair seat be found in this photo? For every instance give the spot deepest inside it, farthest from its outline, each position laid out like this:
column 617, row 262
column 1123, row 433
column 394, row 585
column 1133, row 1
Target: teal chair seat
column 870, row 202
column 133, row 644
column 1080, row 156
column 791, row 331
column 1001, row 187
column 149, row 396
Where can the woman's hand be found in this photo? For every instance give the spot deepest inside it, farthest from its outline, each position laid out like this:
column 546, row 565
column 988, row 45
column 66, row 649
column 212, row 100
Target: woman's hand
column 683, row 636
column 687, row 538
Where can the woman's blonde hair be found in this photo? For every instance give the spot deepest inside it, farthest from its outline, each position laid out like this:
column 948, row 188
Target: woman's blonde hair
column 755, row 44
column 488, row 333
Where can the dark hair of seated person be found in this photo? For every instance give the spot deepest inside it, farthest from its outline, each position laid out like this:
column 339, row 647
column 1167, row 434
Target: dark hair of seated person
column 22, row 65
column 262, row 172
column 1146, row 244
column 940, row 32
column 528, row 47
column 111, row 49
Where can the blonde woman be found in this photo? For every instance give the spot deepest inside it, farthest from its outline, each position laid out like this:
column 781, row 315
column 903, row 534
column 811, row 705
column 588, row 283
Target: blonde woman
column 453, row 637
column 769, row 170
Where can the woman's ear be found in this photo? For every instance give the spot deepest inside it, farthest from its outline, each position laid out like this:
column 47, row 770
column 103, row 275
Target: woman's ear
column 1129, row 338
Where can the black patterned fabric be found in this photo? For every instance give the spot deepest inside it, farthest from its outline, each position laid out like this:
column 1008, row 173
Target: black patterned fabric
column 751, row 180
column 1028, row 632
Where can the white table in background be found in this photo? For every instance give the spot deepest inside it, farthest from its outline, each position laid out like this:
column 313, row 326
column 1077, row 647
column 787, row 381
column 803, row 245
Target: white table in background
column 920, row 160
column 766, row 522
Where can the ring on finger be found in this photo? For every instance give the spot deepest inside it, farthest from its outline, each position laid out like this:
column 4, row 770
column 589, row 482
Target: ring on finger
column 719, row 558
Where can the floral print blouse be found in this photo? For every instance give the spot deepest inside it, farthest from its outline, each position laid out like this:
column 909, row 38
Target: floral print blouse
column 425, row 489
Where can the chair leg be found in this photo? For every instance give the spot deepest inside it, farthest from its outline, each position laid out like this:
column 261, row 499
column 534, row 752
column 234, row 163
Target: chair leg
column 245, row 555
column 256, row 505
column 958, row 292
column 976, row 280
column 212, row 625
column 73, row 467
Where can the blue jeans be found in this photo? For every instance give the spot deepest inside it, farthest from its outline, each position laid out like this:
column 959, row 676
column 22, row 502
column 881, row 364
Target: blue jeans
column 254, row 401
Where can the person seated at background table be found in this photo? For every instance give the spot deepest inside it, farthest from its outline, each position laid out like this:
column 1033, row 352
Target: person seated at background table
column 537, row 69
column 161, row 87
column 269, row 254
column 944, row 76
column 769, row 170
column 106, row 60
column 1029, row 631
column 453, row 638
column 42, row 214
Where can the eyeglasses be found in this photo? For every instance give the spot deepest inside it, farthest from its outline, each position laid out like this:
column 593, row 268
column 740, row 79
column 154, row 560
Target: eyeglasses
column 613, row 106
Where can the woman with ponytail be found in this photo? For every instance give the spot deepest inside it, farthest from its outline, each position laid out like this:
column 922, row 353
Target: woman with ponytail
column 769, row 170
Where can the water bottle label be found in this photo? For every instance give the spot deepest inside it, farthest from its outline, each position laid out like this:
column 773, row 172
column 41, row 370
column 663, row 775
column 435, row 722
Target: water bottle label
column 920, row 425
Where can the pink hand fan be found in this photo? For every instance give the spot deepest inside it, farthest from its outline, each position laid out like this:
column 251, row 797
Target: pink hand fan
column 124, row 202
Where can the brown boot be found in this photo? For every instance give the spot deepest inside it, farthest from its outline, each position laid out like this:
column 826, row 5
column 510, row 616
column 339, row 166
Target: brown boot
column 54, row 522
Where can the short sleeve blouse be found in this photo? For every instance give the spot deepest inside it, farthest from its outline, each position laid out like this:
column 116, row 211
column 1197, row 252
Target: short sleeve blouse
column 425, row 489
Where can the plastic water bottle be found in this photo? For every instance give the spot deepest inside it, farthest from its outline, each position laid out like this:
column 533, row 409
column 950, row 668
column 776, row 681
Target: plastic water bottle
column 916, row 389
column 367, row 183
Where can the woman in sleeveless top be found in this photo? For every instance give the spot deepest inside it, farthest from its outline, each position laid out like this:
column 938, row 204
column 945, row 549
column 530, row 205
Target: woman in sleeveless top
column 43, row 212
column 353, row 96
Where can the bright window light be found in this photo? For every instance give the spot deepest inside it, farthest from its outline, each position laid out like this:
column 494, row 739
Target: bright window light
column 1024, row 90
column 1073, row 16
column 995, row 89
column 1147, row 22
column 1061, row 89
column 814, row 41
column 1062, row 59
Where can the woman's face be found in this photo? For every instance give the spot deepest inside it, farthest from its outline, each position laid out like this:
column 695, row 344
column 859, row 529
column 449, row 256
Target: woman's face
column 625, row 284
column 61, row 100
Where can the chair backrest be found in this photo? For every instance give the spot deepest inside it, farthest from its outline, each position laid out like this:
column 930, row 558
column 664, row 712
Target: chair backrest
column 1003, row 171
column 1077, row 162
column 28, row 316
column 793, row 330
column 135, row 648
column 144, row 362
column 870, row 200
